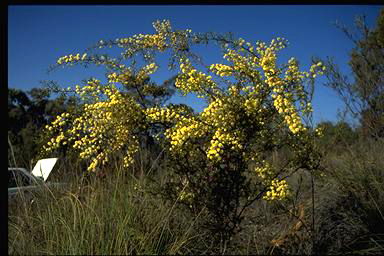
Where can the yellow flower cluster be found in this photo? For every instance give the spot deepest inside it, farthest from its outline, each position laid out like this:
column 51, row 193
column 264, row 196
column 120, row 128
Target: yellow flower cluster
column 246, row 61
column 274, row 46
column 113, row 78
column 283, row 101
column 182, row 131
column 319, row 131
column 265, row 172
column 217, row 117
column 243, row 64
column 60, row 120
column 127, row 77
column 268, row 64
column 55, row 142
column 163, row 26
column 159, row 40
column 163, row 115
column 218, row 141
column 102, row 128
column 292, row 74
column 150, row 68
column 285, row 107
column 278, row 190
column 92, row 89
column 233, row 91
column 221, row 69
column 317, row 69
column 124, row 77
column 71, row 58
column 133, row 147
column 212, row 112
column 57, row 125
column 146, row 71
column 109, row 121
column 186, row 197
column 192, row 81
column 252, row 106
column 146, row 41
column 219, row 113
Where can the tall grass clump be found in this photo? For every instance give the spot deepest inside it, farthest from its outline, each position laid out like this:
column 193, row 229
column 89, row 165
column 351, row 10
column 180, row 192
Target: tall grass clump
column 351, row 208
column 110, row 215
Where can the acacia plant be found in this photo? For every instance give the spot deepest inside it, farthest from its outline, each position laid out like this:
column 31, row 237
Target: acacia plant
column 220, row 158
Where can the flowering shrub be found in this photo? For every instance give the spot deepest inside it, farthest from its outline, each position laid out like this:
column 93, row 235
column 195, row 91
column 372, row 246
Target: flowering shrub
column 221, row 157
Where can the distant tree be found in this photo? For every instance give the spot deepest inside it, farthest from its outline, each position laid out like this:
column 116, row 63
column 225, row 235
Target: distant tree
column 28, row 113
column 364, row 97
column 345, row 133
column 336, row 136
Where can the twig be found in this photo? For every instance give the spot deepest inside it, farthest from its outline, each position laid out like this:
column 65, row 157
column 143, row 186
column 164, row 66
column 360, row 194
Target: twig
column 13, row 155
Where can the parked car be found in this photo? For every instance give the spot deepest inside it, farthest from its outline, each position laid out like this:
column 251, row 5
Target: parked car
column 22, row 182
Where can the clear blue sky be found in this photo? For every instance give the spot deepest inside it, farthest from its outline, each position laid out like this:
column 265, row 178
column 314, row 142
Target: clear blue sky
column 38, row 35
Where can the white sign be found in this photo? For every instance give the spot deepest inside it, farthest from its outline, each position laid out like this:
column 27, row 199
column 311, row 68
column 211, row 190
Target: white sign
column 44, row 167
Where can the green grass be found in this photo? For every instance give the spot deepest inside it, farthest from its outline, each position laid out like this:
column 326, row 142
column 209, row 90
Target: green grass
column 115, row 215
column 122, row 214
column 351, row 205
